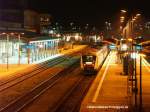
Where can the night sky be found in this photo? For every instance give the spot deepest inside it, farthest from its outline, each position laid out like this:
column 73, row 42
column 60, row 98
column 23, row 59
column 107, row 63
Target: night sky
column 92, row 12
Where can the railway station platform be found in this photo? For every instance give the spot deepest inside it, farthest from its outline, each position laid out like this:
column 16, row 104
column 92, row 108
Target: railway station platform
column 15, row 68
column 108, row 92
column 145, row 84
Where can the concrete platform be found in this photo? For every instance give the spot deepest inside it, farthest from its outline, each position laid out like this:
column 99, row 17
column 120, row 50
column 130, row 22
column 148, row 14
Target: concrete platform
column 145, row 83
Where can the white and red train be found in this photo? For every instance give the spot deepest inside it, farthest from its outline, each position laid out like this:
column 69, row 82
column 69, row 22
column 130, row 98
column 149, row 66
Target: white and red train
column 92, row 59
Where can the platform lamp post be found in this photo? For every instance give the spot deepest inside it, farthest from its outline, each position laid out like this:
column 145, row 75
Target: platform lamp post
column 7, row 40
column 123, row 46
column 131, row 60
column 19, row 36
column 140, row 83
column 134, row 21
column 7, row 50
column 140, row 98
column 122, row 20
column 135, row 73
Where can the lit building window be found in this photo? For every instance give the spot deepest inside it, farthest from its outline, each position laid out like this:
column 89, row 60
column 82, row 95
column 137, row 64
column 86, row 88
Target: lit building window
column 41, row 19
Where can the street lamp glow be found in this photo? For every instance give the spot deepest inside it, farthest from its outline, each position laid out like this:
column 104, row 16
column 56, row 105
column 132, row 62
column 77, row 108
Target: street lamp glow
column 133, row 19
column 134, row 55
column 12, row 33
column 124, row 46
column 122, row 39
column 121, row 27
column 124, row 11
column 40, row 46
column 138, row 14
column 130, row 39
column 58, row 35
column 122, row 17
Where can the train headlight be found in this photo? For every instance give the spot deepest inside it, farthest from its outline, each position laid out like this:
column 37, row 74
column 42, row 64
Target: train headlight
column 88, row 63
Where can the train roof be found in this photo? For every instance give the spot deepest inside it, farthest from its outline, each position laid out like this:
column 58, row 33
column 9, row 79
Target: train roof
column 91, row 51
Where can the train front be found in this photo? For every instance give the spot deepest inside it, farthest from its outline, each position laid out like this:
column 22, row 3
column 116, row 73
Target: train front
column 88, row 63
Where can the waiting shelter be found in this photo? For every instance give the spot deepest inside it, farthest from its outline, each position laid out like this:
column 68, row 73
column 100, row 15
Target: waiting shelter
column 16, row 48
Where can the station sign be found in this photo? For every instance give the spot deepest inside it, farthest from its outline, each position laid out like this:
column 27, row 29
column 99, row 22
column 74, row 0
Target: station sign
column 137, row 47
column 112, row 47
column 28, row 46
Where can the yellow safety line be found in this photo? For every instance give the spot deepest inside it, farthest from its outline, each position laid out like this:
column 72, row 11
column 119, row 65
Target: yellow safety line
column 101, row 81
column 146, row 64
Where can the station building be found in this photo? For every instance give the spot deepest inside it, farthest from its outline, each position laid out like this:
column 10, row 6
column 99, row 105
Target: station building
column 20, row 28
column 42, row 47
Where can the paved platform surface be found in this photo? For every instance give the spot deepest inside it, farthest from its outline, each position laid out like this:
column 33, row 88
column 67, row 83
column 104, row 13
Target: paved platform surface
column 108, row 93
column 145, row 83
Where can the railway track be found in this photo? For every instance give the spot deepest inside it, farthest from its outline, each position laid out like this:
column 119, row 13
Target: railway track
column 17, row 79
column 43, row 65
column 36, row 69
column 72, row 100
column 24, row 100
column 78, row 89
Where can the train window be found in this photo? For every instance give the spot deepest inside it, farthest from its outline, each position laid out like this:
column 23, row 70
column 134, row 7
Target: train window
column 88, row 58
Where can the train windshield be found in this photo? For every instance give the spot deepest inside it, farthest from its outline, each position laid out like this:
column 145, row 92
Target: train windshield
column 88, row 58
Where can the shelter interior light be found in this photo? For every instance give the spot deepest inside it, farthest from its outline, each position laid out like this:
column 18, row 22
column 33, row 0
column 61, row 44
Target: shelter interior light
column 134, row 55
column 124, row 47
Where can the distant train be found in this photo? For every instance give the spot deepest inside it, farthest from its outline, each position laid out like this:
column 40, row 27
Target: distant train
column 92, row 59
